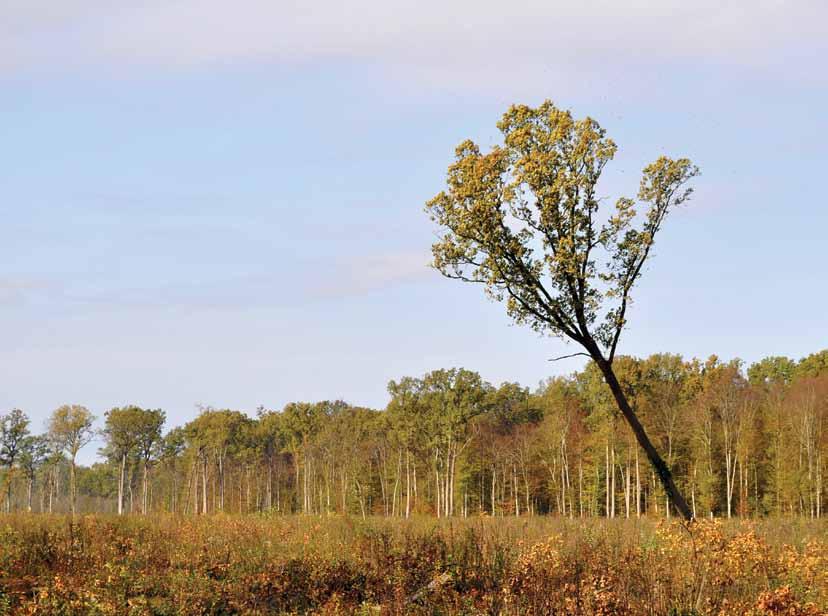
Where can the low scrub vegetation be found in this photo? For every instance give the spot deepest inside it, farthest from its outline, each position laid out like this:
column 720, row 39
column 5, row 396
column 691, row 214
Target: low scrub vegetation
column 339, row 565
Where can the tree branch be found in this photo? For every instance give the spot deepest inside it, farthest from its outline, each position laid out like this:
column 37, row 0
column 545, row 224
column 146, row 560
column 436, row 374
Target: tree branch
column 568, row 356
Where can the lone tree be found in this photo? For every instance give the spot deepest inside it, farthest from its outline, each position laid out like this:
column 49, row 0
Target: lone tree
column 526, row 222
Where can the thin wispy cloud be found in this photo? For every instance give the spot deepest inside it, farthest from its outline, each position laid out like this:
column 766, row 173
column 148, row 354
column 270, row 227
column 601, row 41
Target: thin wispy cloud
column 366, row 274
column 467, row 43
column 311, row 281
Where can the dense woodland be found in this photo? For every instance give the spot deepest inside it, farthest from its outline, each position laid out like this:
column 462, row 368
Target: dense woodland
column 742, row 441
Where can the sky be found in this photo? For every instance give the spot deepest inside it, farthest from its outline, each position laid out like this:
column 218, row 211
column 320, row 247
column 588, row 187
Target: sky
column 216, row 203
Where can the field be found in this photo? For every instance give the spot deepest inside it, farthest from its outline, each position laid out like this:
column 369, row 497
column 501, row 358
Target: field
column 338, row 565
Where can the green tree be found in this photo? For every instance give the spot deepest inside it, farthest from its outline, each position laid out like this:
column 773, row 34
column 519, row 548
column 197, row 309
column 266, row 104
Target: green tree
column 216, row 434
column 300, row 424
column 772, row 370
column 559, row 448
column 97, row 481
column 14, row 428
column 357, row 444
column 150, row 423
column 813, row 365
column 451, row 399
column 120, row 432
column 405, row 411
column 172, row 448
column 524, row 221
column 269, row 435
column 70, row 426
column 666, row 386
column 33, row 453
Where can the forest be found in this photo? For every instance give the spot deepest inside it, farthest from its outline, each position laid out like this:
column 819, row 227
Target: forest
column 741, row 440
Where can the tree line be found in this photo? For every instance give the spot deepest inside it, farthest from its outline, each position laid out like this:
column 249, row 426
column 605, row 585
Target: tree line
column 741, row 441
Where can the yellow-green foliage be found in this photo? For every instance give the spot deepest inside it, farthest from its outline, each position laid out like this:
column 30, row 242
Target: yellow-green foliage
column 290, row 565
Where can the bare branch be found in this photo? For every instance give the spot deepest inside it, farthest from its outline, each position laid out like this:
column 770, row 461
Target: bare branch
column 568, row 356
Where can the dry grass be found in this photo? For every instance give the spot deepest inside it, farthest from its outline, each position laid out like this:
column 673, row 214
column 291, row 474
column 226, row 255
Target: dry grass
column 287, row 565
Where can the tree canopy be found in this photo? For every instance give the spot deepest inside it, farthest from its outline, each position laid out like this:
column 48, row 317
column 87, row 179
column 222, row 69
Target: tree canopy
column 527, row 221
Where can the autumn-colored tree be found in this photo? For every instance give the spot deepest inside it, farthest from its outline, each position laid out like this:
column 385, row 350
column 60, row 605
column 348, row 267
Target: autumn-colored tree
column 741, row 442
column 70, row 426
column 526, row 221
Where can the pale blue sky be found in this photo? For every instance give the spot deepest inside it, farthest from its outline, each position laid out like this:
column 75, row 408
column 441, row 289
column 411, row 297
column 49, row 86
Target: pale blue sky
column 222, row 203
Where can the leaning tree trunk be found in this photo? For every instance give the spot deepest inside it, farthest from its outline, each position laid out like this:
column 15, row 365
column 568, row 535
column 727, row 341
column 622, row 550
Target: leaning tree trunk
column 661, row 468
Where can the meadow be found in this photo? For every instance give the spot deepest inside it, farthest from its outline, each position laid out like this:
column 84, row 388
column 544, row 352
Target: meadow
column 136, row 565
